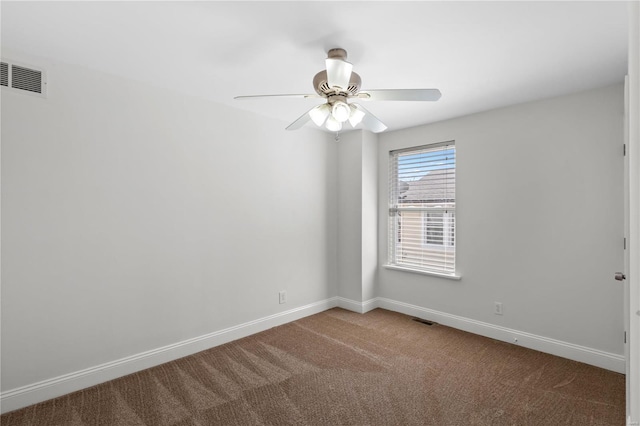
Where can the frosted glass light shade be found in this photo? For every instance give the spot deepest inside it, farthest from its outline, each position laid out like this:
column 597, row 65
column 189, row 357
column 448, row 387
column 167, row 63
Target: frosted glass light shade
column 319, row 114
column 356, row 116
column 333, row 124
column 341, row 111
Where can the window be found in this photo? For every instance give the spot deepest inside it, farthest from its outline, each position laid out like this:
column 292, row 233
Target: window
column 422, row 208
column 438, row 228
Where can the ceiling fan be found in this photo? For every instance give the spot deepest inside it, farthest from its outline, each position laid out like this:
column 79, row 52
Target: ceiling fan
column 338, row 84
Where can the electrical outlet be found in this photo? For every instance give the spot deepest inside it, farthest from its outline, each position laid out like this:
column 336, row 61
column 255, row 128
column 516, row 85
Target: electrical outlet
column 283, row 297
column 497, row 308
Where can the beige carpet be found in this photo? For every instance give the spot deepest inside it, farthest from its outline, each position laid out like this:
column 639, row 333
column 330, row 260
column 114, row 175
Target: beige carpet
column 343, row 368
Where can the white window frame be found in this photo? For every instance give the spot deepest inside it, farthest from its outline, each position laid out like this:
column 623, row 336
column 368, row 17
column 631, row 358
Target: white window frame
column 448, row 267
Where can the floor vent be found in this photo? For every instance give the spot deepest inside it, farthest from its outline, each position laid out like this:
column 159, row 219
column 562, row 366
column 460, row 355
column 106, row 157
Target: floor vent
column 424, row 321
column 23, row 78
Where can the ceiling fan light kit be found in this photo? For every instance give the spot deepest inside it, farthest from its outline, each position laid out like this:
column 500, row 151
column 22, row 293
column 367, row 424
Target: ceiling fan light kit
column 356, row 115
column 337, row 84
column 340, row 111
column 333, row 124
column 319, row 114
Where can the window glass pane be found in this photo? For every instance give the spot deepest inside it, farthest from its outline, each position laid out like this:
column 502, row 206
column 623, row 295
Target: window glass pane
column 434, row 228
column 422, row 208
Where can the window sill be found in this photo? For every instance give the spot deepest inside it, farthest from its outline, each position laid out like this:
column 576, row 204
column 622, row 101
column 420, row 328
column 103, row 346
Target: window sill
column 423, row 272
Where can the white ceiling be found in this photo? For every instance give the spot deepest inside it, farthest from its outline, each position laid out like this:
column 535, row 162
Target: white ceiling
column 481, row 55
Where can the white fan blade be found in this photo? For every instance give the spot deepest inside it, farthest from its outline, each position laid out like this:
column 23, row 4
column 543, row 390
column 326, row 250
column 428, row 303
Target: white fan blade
column 400, row 94
column 338, row 73
column 277, row 96
column 302, row 120
column 370, row 121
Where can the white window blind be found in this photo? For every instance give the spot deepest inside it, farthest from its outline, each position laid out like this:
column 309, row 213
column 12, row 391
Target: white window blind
column 422, row 208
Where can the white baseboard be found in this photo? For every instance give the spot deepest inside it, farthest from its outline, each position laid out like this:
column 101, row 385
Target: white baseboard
column 606, row 360
column 51, row 388
column 359, row 307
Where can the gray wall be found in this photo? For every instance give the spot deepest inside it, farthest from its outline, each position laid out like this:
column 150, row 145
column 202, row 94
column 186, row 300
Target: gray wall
column 350, row 216
column 539, row 216
column 357, row 215
column 134, row 218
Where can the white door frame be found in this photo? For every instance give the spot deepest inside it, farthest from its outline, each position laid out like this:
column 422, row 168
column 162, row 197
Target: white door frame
column 632, row 132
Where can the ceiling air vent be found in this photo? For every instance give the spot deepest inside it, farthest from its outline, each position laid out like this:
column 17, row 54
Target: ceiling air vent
column 23, row 78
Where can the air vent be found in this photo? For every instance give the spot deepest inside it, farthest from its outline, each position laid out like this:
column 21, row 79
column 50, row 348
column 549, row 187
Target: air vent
column 26, row 79
column 424, row 321
column 4, row 74
column 23, row 78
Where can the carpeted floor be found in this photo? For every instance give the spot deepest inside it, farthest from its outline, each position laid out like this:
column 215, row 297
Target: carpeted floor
column 343, row 368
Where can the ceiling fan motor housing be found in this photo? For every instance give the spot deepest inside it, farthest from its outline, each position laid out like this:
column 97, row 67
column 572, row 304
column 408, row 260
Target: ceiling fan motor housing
column 337, row 53
column 322, row 88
